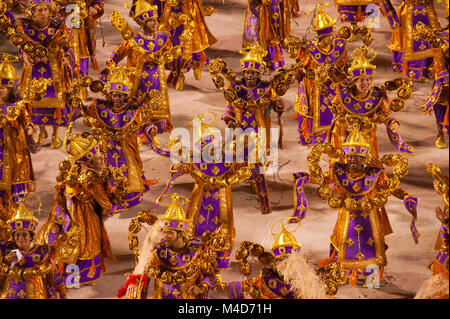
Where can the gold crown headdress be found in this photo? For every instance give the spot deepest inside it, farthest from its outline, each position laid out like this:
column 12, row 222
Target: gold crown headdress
column 144, row 11
column 81, row 147
column 120, row 80
column 33, row 3
column 175, row 218
column 355, row 143
column 253, row 58
column 285, row 241
column 361, row 64
column 23, row 217
column 322, row 23
column 8, row 74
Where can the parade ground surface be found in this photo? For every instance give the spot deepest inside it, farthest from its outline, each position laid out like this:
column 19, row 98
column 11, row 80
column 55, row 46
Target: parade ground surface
column 407, row 262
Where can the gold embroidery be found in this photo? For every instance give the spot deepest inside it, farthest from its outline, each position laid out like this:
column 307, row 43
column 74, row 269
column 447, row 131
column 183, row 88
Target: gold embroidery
column 173, row 260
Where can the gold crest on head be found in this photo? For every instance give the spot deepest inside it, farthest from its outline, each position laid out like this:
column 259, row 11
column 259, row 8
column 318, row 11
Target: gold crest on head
column 8, row 74
column 33, row 3
column 355, row 143
column 144, row 10
column 23, row 217
column 361, row 63
column 120, row 80
column 355, row 138
column 321, row 20
column 253, row 58
column 285, row 241
column 175, row 218
column 80, row 145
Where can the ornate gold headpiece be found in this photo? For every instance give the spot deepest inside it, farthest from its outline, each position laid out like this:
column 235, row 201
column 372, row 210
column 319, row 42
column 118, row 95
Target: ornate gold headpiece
column 361, row 64
column 8, row 74
column 120, row 80
column 23, row 217
column 285, row 241
column 175, row 217
column 322, row 23
column 253, row 58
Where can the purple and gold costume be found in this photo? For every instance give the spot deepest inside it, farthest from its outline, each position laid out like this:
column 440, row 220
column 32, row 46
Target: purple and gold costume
column 52, row 108
column 119, row 131
column 34, row 275
column 195, row 263
column 373, row 109
column 83, row 35
column 40, row 286
column 413, row 57
column 193, row 49
column 357, row 241
column 269, row 284
column 365, row 113
column 211, row 204
column 253, row 118
column 267, row 23
column 314, row 116
column 7, row 19
column 16, row 170
column 438, row 98
column 148, row 56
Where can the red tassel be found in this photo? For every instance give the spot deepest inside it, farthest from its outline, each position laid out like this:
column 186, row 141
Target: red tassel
column 352, row 280
column 95, row 65
column 305, row 128
column 132, row 280
column 445, row 122
column 359, row 15
column 203, row 58
column 278, row 54
column 57, row 114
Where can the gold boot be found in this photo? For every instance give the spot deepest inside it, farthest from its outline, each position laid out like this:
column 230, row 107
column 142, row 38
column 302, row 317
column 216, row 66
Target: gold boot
column 42, row 135
column 440, row 143
column 180, row 83
column 56, row 141
column 197, row 73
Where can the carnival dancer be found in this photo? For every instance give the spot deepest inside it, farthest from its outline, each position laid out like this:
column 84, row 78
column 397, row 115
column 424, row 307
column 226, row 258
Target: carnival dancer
column 412, row 57
column 284, row 273
column 211, row 205
column 185, row 21
column 116, row 122
column 27, row 270
column 183, row 266
column 48, row 68
column 267, row 23
column 250, row 100
column 361, row 104
column 16, row 142
column 82, row 202
column 313, row 58
column 359, row 187
column 148, row 51
column 82, row 32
